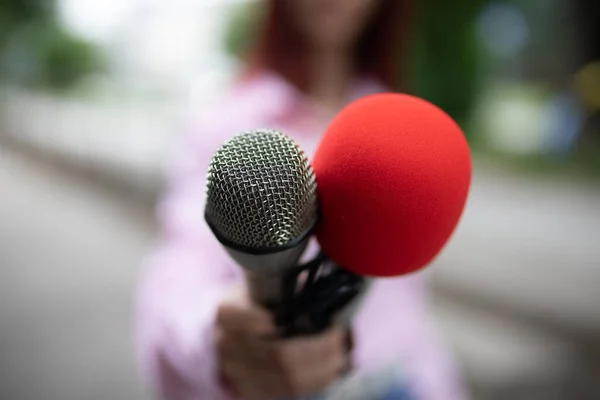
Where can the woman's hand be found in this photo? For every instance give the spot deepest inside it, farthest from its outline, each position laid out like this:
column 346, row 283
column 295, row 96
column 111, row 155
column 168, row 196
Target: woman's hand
column 257, row 366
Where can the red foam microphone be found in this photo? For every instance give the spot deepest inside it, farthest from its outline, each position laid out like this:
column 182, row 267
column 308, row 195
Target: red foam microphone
column 393, row 173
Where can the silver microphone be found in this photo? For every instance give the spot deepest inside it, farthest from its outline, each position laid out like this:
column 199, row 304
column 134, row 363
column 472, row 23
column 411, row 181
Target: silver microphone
column 262, row 206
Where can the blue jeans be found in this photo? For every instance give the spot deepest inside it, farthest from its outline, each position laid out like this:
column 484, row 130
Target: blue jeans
column 397, row 393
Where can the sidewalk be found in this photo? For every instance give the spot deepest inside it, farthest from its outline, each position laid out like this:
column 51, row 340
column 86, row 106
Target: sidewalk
column 530, row 245
column 122, row 141
column 69, row 258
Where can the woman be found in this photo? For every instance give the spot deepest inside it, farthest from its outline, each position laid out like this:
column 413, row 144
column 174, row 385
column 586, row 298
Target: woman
column 199, row 335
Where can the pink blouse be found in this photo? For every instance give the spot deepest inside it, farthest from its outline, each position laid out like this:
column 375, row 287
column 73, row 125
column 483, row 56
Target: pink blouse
column 185, row 277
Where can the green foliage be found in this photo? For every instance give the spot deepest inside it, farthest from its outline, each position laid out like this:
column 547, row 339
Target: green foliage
column 445, row 59
column 37, row 52
column 242, row 28
column 23, row 10
column 64, row 59
column 583, row 164
column 16, row 13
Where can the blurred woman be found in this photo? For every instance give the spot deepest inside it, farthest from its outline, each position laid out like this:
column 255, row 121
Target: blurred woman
column 199, row 336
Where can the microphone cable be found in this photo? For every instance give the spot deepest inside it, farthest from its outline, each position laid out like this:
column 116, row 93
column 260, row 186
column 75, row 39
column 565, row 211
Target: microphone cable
column 309, row 305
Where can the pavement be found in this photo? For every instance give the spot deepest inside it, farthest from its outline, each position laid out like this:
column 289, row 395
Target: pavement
column 530, row 245
column 69, row 256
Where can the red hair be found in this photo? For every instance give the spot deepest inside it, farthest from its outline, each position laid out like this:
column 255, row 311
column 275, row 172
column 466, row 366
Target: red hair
column 378, row 51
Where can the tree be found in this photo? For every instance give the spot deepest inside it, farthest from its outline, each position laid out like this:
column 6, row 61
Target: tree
column 37, row 52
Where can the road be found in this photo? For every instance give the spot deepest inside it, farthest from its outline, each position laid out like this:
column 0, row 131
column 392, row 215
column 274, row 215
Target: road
column 529, row 244
column 69, row 255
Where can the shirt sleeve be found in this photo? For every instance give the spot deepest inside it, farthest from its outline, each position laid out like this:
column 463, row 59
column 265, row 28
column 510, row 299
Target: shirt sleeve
column 182, row 282
column 394, row 328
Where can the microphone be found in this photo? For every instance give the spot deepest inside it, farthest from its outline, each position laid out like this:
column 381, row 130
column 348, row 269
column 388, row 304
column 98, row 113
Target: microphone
column 393, row 174
column 262, row 207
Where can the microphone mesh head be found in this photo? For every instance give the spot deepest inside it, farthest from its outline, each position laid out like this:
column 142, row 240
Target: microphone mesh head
column 261, row 191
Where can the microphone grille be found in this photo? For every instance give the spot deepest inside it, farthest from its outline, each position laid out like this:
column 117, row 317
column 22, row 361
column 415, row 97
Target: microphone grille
column 261, row 191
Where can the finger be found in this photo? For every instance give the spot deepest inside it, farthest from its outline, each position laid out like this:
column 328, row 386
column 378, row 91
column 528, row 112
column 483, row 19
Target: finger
column 255, row 363
column 255, row 384
column 317, row 376
column 267, row 385
column 303, row 350
column 310, row 364
column 246, row 380
column 241, row 315
column 251, row 351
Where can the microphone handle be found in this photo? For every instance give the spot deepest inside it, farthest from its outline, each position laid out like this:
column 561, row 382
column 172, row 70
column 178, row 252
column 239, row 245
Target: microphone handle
column 328, row 295
column 265, row 273
column 342, row 316
column 272, row 280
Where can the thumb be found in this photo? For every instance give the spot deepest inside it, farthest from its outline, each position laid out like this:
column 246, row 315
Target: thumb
column 238, row 313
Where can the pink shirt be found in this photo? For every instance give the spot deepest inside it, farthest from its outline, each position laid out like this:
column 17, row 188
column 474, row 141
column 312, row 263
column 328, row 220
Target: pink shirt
column 188, row 272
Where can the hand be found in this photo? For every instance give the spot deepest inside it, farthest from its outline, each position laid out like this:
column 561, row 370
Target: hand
column 258, row 366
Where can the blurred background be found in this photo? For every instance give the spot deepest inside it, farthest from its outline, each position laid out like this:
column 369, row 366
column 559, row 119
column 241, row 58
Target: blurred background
column 92, row 94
